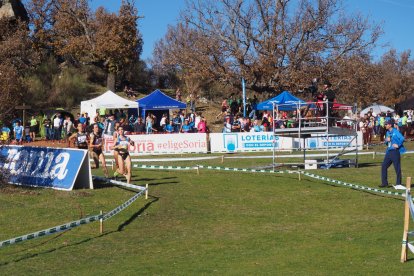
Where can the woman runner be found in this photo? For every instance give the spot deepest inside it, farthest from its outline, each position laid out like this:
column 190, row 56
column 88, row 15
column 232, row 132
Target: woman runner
column 95, row 144
column 124, row 159
column 80, row 138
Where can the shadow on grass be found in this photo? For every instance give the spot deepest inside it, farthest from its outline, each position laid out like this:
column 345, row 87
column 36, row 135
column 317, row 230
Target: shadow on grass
column 137, row 214
column 366, row 165
column 119, row 229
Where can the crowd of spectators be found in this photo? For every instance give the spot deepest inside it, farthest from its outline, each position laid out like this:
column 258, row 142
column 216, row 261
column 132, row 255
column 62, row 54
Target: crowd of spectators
column 58, row 128
column 372, row 125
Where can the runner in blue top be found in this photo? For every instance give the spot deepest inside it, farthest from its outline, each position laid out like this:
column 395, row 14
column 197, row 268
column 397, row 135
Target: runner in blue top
column 395, row 147
column 18, row 133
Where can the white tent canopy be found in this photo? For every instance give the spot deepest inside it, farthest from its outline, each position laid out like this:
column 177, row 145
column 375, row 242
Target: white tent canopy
column 377, row 109
column 107, row 100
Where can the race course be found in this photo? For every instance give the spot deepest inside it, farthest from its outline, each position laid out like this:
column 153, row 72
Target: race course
column 214, row 222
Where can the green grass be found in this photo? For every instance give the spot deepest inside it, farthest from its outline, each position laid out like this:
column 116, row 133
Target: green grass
column 218, row 222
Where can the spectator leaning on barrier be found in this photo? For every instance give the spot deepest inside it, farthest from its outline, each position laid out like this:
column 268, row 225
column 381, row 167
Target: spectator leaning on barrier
column 202, row 125
column 110, row 125
column 395, row 147
column 227, row 125
column 186, row 128
column 169, row 127
column 139, row 126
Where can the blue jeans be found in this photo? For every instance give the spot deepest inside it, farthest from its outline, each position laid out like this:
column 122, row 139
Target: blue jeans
column 391, row 157
column 48, row 131
column 57, row 133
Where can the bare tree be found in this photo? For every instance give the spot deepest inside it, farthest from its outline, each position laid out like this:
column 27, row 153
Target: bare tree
column 270, row 43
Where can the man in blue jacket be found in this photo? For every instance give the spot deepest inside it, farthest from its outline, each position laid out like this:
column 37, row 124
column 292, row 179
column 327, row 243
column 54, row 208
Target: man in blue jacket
column 394, row 141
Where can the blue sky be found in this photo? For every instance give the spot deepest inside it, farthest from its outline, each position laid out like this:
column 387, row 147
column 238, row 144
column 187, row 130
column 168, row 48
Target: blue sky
column 395, row 16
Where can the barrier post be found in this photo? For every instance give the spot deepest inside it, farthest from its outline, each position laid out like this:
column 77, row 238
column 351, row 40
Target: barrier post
column 406, row 222
column 101, row 223
column 222, row 159
column 299, row 174
column 373, row 155
column 198, row 170
column 146, row 191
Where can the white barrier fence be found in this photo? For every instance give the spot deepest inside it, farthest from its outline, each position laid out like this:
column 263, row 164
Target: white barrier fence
column 248, row 142
column 163, row 144
column 157, row 144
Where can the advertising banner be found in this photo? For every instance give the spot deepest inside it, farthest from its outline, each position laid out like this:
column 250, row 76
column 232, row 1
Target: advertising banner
column 248, row 141
column 340, row 141
column 152, row 144
column 61, row 169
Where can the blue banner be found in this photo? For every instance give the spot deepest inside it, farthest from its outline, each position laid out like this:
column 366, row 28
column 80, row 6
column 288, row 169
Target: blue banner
column 43, row 167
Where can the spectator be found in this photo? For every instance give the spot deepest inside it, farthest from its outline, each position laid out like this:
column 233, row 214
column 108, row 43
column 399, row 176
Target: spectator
column 27, row 132
column 224, row 108
column 5, row 135
column 185, row 128
column 88, row 119
column 139, row 126
column 149, row 124
column 163, row 121
column 33, row 128
column 176, row 122
column 202, row 126
column 227, row 125
column 110, row 125
column 169, row 127
column 48, row 128
column 236, row 125
column 247, row 124
column 18, row 133
column 256, row 126
column 395, row 147
column 68, row 125
column 57, row 127
column 197, row 120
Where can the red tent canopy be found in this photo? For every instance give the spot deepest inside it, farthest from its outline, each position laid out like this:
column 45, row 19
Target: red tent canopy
column 336, row 105
column 339, row 106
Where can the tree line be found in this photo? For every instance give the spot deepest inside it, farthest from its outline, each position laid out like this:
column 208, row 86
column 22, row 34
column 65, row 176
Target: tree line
column 58, row 55
column 283, row 44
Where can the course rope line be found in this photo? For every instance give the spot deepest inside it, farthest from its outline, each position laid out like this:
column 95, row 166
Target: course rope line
column 76, row 223
column 157, row 167
column 350, row 185
column 53, row 230
column 311, row 175
column 124, row 205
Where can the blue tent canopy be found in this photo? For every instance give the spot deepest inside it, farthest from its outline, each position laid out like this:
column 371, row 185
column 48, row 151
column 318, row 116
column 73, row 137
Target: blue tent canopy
column 159, row 101
column 285, row 102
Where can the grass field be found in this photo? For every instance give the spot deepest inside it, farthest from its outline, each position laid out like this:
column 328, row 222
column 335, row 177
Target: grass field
column 218, row 222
